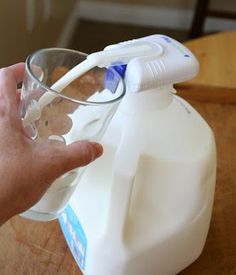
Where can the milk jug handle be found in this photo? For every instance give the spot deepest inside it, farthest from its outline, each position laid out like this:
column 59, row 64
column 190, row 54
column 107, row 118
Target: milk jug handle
column 124, row 171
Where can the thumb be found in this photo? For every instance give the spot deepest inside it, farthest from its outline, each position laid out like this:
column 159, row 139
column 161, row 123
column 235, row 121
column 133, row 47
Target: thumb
column 81, row 153
column 65, row 158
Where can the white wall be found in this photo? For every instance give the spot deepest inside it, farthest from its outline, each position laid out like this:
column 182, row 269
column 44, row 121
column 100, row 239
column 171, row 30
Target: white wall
column 224, row 5
column 175, row 14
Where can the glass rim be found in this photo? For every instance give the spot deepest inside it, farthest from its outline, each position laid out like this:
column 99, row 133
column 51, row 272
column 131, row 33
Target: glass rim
column 81, row 102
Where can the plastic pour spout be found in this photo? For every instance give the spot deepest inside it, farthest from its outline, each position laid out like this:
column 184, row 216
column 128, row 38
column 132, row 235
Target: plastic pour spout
column 111, row 56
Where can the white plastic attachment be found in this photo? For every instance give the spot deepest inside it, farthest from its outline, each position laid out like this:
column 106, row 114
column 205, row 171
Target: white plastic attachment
column 153, row 61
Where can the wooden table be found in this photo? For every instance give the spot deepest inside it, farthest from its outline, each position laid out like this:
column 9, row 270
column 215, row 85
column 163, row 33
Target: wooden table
column 28, row 247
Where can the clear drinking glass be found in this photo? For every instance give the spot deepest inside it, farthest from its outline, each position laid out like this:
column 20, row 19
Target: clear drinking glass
column 81, row 111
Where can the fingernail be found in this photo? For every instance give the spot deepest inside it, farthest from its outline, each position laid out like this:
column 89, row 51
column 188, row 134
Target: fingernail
column 99, row 149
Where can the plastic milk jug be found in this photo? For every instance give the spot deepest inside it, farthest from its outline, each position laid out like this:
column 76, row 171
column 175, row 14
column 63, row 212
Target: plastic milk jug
column 144, row 207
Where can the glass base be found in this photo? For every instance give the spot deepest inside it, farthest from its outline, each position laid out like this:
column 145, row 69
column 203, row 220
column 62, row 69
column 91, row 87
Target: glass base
column 38, row 216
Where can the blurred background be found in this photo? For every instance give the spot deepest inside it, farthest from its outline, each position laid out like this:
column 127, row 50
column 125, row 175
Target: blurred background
column 28, row 25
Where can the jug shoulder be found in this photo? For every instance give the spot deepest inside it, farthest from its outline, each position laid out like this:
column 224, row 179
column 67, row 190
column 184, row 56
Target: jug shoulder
column 178, row 130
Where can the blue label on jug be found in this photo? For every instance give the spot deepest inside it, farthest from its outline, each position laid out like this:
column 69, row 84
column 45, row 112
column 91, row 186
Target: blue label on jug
column 112, row 80
column 74, row 235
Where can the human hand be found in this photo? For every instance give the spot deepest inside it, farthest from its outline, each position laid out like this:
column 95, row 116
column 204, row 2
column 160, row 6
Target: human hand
column 28, row 168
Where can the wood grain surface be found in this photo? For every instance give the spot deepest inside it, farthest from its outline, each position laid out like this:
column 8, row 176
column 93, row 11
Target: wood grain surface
column 28, row 247
column 217, row 56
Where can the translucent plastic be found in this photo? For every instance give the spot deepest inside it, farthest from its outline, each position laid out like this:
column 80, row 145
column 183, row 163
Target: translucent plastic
column 144, row 207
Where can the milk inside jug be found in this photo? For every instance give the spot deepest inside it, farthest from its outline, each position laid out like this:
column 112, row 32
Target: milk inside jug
column 144, row 207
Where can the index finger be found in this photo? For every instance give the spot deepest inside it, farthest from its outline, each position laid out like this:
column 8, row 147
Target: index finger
column 9, row 78
column 18, row 71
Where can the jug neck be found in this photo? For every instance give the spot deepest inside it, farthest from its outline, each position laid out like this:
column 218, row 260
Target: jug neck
column 147, row 100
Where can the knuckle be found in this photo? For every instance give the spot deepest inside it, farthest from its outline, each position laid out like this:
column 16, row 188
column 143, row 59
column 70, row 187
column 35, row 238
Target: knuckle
column 4, row 72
